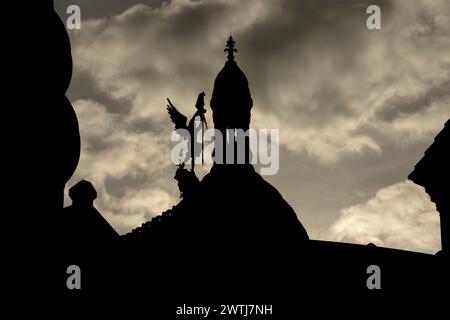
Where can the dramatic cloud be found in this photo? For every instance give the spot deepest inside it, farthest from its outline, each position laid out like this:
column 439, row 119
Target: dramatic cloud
column 128, row 168
column 355, row 108
column 399, row 216
column 389, row 78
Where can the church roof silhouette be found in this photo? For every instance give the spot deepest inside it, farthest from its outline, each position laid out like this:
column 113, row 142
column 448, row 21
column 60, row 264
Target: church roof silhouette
column 232, row 206
column 233, row 209
column 231, row 235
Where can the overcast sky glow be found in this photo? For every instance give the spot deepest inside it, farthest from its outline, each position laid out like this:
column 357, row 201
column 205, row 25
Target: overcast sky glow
column 356, row 108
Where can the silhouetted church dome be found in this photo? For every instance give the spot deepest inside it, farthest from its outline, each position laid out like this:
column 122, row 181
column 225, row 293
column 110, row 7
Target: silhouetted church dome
column 84, row 226
column 232, row 207
column 69, row 150
column 52, row 58
column 231, row 100
column 83, row 192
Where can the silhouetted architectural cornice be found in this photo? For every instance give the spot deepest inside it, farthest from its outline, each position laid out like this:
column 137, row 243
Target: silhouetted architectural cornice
column 433, row 173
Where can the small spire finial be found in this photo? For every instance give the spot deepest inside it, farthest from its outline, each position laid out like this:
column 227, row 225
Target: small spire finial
column 230, row 48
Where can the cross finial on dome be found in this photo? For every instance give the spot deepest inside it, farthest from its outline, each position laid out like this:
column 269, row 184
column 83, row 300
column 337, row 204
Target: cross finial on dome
column 230, row 48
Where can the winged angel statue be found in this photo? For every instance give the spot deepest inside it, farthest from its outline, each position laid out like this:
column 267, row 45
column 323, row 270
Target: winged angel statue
column 190, row 130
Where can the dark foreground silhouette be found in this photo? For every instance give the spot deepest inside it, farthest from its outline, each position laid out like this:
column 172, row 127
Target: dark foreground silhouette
column 232, row 238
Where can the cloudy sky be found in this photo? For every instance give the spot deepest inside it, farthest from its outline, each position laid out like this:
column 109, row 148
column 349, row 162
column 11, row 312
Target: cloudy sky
column 356, row 108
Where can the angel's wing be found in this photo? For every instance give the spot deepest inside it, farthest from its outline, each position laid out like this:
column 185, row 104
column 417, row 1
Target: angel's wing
column 178, row 119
